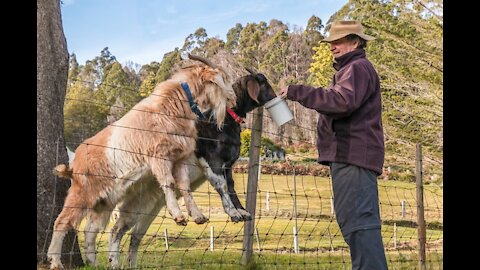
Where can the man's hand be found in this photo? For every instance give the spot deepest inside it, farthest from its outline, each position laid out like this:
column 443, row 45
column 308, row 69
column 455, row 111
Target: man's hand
column 283, row 92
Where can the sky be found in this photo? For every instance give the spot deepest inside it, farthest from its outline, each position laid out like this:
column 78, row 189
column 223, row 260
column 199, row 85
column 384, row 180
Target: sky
column 142, row 31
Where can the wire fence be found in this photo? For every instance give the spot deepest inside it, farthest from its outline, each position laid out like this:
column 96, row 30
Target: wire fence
column 294, row 225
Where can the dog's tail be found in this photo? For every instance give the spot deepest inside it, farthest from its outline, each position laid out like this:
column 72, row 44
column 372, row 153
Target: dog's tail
column 63, row 171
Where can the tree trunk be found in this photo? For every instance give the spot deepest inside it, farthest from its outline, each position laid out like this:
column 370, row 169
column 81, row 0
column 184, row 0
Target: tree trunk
column 52, row 70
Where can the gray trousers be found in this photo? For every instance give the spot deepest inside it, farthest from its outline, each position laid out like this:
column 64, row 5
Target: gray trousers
column 355, row 194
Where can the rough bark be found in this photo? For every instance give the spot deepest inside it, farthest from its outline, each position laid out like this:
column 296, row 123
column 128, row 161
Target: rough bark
column 52, row 70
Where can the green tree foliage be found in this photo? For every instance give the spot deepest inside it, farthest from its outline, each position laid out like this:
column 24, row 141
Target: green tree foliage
column 74, row 69
column 321, row 69
column 200, row 36
column 249, row 52
column 132, row 71
column 245, row 137
column 98, row 65
column 195, row 41
column 148, row 77
column 266, row 143
column 147, row 69
column 166, row 66
column 298, row 59
column 233, row 36
column 92, row 102
column 189, row 43
column 148, row 84
column 313, row 30
column 83, row 117
column 212, row 46
column 116, row 93
column 155, row 72
column 105, row 58
column 275, row 45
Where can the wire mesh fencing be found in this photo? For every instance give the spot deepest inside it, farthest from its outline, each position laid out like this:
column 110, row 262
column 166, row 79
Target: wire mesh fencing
column 294, row 222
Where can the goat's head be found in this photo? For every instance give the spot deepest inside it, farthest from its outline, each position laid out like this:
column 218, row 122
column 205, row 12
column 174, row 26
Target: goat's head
column 215, row 86
column 252, row 91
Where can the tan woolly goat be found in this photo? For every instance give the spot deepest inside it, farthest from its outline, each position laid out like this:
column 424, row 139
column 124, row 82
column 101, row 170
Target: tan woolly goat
column 152, row 140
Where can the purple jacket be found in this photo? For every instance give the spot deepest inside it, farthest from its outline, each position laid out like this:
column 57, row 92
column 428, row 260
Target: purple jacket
column 349, row 127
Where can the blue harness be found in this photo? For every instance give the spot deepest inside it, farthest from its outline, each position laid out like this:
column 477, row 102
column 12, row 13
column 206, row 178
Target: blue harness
column 193, row 104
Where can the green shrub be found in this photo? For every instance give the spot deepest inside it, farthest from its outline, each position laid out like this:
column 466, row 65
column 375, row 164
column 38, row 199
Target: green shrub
column 245, row 137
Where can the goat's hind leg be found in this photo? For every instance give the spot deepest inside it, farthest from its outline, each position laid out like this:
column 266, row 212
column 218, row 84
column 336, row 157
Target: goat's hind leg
column 68, row 219
column 139, row 230
column 138, row 216
column 97, row 220
column 126, row 219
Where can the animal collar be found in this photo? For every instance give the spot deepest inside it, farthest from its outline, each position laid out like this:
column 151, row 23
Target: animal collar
column 193, row 104
column 235, row 116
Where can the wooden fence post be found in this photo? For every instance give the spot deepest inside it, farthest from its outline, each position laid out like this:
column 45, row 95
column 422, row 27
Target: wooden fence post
column 420, row 209
column 253, row 173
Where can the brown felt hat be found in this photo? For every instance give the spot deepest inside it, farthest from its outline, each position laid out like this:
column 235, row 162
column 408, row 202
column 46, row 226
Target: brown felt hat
column 340, row 29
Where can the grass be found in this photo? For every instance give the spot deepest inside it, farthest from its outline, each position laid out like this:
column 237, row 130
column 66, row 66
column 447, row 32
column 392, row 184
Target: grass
column 320, row 242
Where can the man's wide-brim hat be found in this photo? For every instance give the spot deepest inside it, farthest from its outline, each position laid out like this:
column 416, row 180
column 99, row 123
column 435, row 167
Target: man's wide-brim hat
column 340, row 29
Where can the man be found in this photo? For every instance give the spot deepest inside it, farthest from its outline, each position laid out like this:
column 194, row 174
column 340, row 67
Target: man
column 350, row 140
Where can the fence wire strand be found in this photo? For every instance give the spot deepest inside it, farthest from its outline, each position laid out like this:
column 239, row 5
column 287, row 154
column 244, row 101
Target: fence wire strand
column 321, row 245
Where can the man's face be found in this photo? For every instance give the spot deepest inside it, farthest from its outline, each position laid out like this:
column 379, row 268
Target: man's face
column 342, row 46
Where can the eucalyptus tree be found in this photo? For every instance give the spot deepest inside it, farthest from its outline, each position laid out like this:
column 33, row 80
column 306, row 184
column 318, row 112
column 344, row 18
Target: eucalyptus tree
column 117, row 93
column 233, row 38
column 249, row 51
column 313, row 31
column 275, row 43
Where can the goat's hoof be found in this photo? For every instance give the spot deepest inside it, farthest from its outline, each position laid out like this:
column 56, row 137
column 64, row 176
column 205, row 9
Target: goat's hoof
column 181, row 221
column 55, row 263
column 56, row 266
column 246, row 215
column 235, row 215
column 236, row 219
column 113, row 263
column 201, row 220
